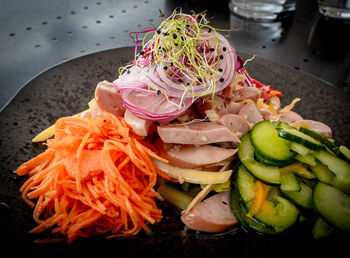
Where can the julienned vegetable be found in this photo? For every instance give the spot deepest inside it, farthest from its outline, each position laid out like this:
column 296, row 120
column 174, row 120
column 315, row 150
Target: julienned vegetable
column 95, row 177
column 252, row 195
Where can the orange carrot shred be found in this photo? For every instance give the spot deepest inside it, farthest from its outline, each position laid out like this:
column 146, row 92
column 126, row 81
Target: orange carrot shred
column 96, row 176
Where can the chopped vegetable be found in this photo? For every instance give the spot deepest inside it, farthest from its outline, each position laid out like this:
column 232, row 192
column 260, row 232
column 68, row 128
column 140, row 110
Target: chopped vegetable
column 261, row 191
column 192, row 175
column 176, row 197
column 95, row 177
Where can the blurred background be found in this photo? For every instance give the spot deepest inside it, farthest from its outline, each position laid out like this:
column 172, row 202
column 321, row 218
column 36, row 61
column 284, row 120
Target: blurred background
column 39, row 34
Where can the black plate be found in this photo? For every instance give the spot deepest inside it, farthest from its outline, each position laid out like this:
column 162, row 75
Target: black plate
column 67, row 88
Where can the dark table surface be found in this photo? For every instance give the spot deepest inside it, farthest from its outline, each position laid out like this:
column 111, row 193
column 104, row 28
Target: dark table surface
column 37, row 35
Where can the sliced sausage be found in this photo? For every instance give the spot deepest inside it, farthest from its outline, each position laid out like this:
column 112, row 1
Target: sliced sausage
column 192, row 156
column 196, row 133
column 108, row 99
column 290, row 117
column 211, row 215
column 251, row 113
column 235, row 123
column 138, row 125
column 246, row 93
column 317, row 126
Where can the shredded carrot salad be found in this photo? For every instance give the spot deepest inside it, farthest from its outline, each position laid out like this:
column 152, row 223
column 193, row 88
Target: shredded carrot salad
column 95, row 177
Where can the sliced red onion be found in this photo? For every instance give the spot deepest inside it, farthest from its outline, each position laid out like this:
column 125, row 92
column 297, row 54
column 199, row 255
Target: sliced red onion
column 176, row 83
column 151, row 106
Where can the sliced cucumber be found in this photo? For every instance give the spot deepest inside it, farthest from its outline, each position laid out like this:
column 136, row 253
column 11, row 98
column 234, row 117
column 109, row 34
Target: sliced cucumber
column 267, row 174
column 289, row 182
column 321, row 229
column 245, row 148
column 266, row 142
column 339, row 167
column 301, row 138
column 333, row 205
column 264, row 161
column 344, row 153
column 300, row 149
column 284, row 125
column 241, row 215
column 278, row 213
column 307, row 159
column 323, row 173
column 301, row 198
column 245, row 184
column 325, row 141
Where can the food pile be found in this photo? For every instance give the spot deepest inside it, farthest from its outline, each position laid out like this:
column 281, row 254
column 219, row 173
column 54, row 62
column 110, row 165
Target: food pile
column 184, row 122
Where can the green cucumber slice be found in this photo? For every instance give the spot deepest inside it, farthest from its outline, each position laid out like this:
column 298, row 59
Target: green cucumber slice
column 301, row 138
column 300, row 149
column 307, row 159
column 289, row 182
column 240, row 213
column 339, row 167
column 321, row 229
column 323, row 173
column 245, row 148
column 332, row 205
column 281, row 216
column 245, row 184
column 284, row 125
column 264, row 161
column 267, row 174
column 344, row 153
column 302, row 198
column 325, row 141
column 266, row 142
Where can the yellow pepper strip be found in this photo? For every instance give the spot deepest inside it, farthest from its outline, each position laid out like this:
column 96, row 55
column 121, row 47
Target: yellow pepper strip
column 290, row 106
column 260, row 104
column 261, row 191
column 298, row 168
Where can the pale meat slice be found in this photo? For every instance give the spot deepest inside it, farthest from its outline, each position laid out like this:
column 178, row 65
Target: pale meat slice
column 235, row 123
column 251, row 113
column 317, row 126
column 192, row 156
column 196, row 133
column 246, row 93
column 138, row 125
column 108, row 99
column 211, row 215
column 290, row 117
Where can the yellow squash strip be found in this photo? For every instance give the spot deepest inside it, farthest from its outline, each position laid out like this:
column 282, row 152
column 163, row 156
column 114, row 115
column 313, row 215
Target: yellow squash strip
column 44, row 135
column 192, row 175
